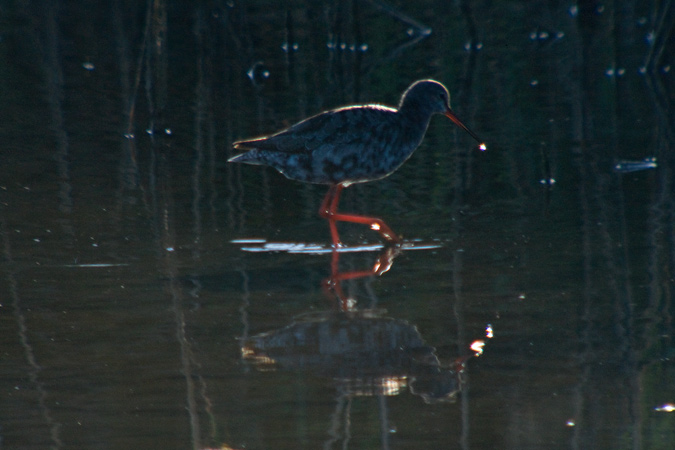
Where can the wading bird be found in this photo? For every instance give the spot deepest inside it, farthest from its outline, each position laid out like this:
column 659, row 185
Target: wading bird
column 354, row 144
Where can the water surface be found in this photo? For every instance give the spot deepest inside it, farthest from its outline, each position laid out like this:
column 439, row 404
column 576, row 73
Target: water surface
column 154, row 296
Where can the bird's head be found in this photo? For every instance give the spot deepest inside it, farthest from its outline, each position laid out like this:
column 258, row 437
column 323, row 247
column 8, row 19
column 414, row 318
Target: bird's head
column 428, row 97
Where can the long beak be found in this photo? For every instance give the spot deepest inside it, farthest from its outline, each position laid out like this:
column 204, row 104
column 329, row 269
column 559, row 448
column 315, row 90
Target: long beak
column 451, row 115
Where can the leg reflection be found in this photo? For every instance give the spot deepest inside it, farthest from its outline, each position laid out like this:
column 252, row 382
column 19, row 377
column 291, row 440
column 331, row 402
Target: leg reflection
column 333, row 284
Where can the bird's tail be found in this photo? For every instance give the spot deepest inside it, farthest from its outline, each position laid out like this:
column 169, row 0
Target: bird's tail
column 250, row 157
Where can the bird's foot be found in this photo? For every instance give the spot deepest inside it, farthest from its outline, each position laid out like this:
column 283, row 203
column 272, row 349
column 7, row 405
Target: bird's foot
column 337, row 245
column 386, row 232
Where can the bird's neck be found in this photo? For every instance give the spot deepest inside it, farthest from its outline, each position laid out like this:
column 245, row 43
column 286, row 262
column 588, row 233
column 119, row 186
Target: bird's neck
column 413, row 107
column 415, row 116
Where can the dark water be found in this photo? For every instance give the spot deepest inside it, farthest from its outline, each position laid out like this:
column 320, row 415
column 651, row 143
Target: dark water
column 136, row 311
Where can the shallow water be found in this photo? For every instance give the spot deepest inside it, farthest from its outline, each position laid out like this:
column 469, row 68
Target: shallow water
column 154, row 296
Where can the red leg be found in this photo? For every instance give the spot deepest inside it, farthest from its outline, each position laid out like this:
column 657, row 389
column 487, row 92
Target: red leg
column 328, row 210
column 330, row 203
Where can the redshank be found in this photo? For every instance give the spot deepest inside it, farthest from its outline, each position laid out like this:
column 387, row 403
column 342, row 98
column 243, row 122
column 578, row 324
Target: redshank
column 352, row 145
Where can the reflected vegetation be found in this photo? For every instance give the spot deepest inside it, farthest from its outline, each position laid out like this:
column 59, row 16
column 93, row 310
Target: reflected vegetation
column 625, row 166
column 136, row 312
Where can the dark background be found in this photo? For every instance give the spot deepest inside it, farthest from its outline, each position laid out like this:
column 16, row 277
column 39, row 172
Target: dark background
column 127, row 296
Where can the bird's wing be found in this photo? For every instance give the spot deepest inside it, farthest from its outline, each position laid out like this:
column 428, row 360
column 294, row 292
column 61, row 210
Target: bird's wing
column 337, row 127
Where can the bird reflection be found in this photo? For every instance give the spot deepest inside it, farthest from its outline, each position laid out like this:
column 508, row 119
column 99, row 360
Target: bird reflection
column 364, row 352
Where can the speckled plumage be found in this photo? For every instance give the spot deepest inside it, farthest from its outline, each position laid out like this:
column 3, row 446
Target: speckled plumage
column 353, row 144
